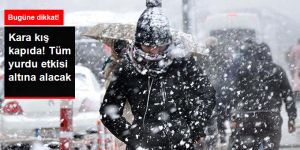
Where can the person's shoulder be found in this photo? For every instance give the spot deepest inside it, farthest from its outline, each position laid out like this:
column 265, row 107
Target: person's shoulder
column 187, row 65
column 277, row 69
column 186, row 60
column 183, row 63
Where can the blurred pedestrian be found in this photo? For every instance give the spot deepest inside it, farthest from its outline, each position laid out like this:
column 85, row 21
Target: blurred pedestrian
column 294, row 55
column 171, row 99
column 294, row 60
column 262, row 86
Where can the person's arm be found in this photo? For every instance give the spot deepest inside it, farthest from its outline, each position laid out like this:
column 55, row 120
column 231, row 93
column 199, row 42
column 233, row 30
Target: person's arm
column 111, row 110
column 201, row 99
column 288, row 98
column 242, row 74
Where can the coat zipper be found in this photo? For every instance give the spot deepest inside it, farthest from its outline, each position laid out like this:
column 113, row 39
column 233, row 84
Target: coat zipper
column 148, row 98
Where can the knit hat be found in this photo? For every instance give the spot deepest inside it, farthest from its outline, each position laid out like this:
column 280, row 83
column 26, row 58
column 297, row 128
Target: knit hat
column 153, row 27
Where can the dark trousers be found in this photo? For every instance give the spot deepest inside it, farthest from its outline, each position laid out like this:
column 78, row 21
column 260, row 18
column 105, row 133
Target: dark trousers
column 257, row 130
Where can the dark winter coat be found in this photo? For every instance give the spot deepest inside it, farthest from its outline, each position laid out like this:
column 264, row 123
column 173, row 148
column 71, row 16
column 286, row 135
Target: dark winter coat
column 262, row 85
column 170, row 109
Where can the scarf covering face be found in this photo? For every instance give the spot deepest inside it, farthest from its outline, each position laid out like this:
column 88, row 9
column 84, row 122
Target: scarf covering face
column 146, row 63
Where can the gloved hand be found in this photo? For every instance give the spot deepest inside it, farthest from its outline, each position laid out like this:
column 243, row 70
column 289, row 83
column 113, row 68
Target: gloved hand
column 291, row 126
column 233, row 122
column 222, row 139
column 200, row 143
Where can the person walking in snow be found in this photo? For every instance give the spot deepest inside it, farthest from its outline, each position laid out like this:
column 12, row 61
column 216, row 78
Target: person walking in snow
column 170, row 98
column 255, row 110
column 294, row 59
column 294, row 55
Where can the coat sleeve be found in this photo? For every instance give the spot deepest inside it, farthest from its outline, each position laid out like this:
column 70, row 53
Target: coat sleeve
column 201, row 98
column 287, row 96
column 111, row 109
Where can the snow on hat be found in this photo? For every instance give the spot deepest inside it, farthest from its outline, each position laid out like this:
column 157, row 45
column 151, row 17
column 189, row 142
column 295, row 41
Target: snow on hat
column 153, row 27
